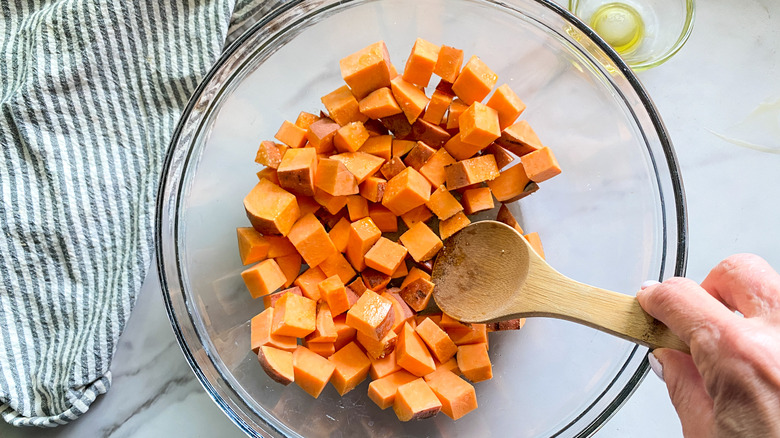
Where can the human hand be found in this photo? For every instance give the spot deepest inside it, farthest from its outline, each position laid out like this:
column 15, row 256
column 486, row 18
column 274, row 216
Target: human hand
column 729, row 386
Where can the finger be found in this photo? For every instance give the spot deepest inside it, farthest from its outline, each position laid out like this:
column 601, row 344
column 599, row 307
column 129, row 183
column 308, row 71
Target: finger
column 747, row 283
column 687, row 309
column 688, row 393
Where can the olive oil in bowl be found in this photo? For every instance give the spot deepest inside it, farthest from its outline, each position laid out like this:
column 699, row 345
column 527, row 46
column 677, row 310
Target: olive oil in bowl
column 620, row 25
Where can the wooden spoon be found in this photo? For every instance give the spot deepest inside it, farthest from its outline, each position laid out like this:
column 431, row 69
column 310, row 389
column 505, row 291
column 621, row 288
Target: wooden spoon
column 488, row 272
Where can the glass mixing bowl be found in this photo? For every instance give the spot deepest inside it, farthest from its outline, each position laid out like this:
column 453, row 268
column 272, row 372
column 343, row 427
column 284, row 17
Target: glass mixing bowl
column 614, row 218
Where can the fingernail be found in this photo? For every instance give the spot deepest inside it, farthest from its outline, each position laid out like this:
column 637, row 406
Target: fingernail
column 656, row 366
column 649, row 283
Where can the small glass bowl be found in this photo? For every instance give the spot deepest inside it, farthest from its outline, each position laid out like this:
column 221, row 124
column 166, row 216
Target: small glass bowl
column 644, row 32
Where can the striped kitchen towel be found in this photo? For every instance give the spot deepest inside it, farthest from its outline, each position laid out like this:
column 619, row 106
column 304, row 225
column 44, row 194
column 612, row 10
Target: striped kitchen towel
column 90, row 92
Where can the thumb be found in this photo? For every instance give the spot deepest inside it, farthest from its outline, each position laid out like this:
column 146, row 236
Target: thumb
column 687, row 391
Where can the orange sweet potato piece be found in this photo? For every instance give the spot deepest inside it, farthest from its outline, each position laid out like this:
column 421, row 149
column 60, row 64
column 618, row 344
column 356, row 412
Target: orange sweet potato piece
column 339, row 234
column 307, row 204
column 358, row 286
column 290, row 266
column 371, row 315
column 312, row 371
column 291, row 135
column 373, row 189
column 412, row 354
column 402, row 311
column 417, row 294
column 420, row 63
column 384, row 219
column 472, row 171
column 419, row 155
column 296, row 171
column 269, row 154
column 406, row 191
column 414, row 274
column 269, row 174
column 337, row 265
column 411, row 99
column 271, row 299
column 343, row 107
column 474, row 81
column 433, row 169
column 324, row 349
column 333, row 178
column 360, row 164
column 447, row 322
column 510, row 185
column 311, row 240
column 417, row 214
column 333, row 291
column 263, row 278
column 474, row 334
column 383, row 366
column 379, row 103
column 385, row 256
column 401, row 271
column 278, row 364
column 503, row 158
column 252, row 246
column 309, row 282
column 437, row 107
column 511, row 324
column 260, row 333
column 452, row 225
column 429, row 133
column 507, row 104
column 294, row 315
column 320, row 135
column 456, row 108
column 519, row 139
column 448, row 63
column 305, row 119
column 350, row 137
column 540, row 165
column 379, row 146
column 367, row 69
column 279, row 246
column 460, row 150
column 479, row 125
column 392, row 167
column 374, row 279
column 477, row 199
column 351, row 368
column 362, row 236
column 398, row 125
column 443, row 204
column 402, row 147
column 474, row 362
column 415, row 401
column 377, row 349
column 333, row 204
column 344, row 333
column 382, row 391
column 457, row 396
column 357, row 207
column 505, row 216
column 536, row 243
column 439, row 343
column 271, row 209
column 421, row 242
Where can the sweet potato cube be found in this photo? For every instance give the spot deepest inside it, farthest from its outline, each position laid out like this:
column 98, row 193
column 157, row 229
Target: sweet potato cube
column 417, row 294
column 260, row 333
column 536, row 243
column 371, row 315
column 437, row 107
column 296, row 171
column 357, row 207
column 333, row 204
column 383, row 366
column 311, row 240
column 269, row 154
column 385, row 256
column 503, row 157
column 406, row 191
column 362, row 236
column 412, row 354
column 392, row 168
column 373, row 189
column 278, row 364
column 320, row 135
column 271, row 209
column 252, row 246
column 290, row 266
column 382, row 391
column 379, row 103
column 269, row 174
column 309, row 282
column 479, row 125
column 474, row 81
column 540, row 165
column 402, row 147
column 358, row 286
column 333, row 291
column 420, row 63
column 519, row 139
column 419, row 155
column 312, row 371
column 447, row 322
column 379, row 146
column 377, row 349
column 411, row 99
column 374, row 279
column 460, row 150
column 263, row 278
column 351, row 368
column 478, row 199
column 401, row 271
column 507, row 104
column 339, row 234
column 402, row 311
column 417, row 214
column 510, row 184
column 472, row 171
column 443, row 204
column 342, row 106
column 307, row 204
column 473, row 334
column 433, row 169
column 511, row 324
column 344, row 333
column 384, row 219
column 324, row 349
column 421, row 242
column 367, row 69
column 291, row 135
column 350, row 137
column 360, row 164
column 398, row 125
column 439, row 343
column 333, row 178
column 279, row 246
column 457, row 396
column 415, row 401
column 337, row 265
column 448, row 63
column 294, row 315
column 456, row 108
column 414, row 274
column 271, row 299
column 505, row 216
column 452, row 225
column 474, row 362
column 305, row 119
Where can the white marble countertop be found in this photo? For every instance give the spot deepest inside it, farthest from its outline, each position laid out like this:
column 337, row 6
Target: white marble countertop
column 723, row 83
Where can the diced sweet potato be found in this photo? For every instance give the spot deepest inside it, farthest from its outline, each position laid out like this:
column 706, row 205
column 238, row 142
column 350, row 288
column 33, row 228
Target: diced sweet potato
column 406, row 191
column 360, row 164
column 510, row 184
column 270, row 299
column 294, row 315
column 358, row 286
column 382, row 391
column 419, row 155
column 385, row 256
column 418, row 214
column 263, row 278
column 411, row 99
column 371, row 315
column 377, row 349
column 373, row 188
column 374, row 279
column 460, row 150
column 414, row 274
column 271, row 209
column 433, row 169
column 296, row 171
column 343, row 107
column 536, row 243
column 503, row 158
column 439, row 343
column 478, row 199
column 420, row 63
column 290, row 266
column 471, row 171
column 540, row 165
column 417, row 294
column 474, row 81
column 447, row 322
column 362, row 236
column 379, row 103
column 269, row 154
column 519, row 139
column 324, row 329
column 324, row 349
column 309, row 282
column 320, row 135
column 278, row 364
column 429, row 133
column 402, row 147
column 252, row 246
column 357, row 207
column 350, row 137
column 474, row 362
column 269, row 174
column 379, row 146
column 421, row 242
column 305, row 119
column 479, row 125
column 260, row 333
column 333, row 204
column 448, row 63
column 402, row 311
column 344, row 333
column 401, row 271
column 279, row 246
column 450, row 365
column 307, row 205
column 511, row 324
column 312, row 371
column 437, row 107
column 311, row 240
column 384, row 219
column 291, row 135
column 457, row 396
column 351, row 368
column 383, row 366
column 505, row 216
column 392, row 168
column 398, row 125
column 452, row 225
column 412, row 354
column 333, row 291
column 443, row 204
column 415, row 401
column 339, row 234
column 337, row 265
column 367, row 69
column 456, row 108
column 473, row 334
column 333, row 178
column 507, row 104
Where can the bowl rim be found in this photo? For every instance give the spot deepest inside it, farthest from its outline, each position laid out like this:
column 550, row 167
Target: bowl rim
column 681, row 227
